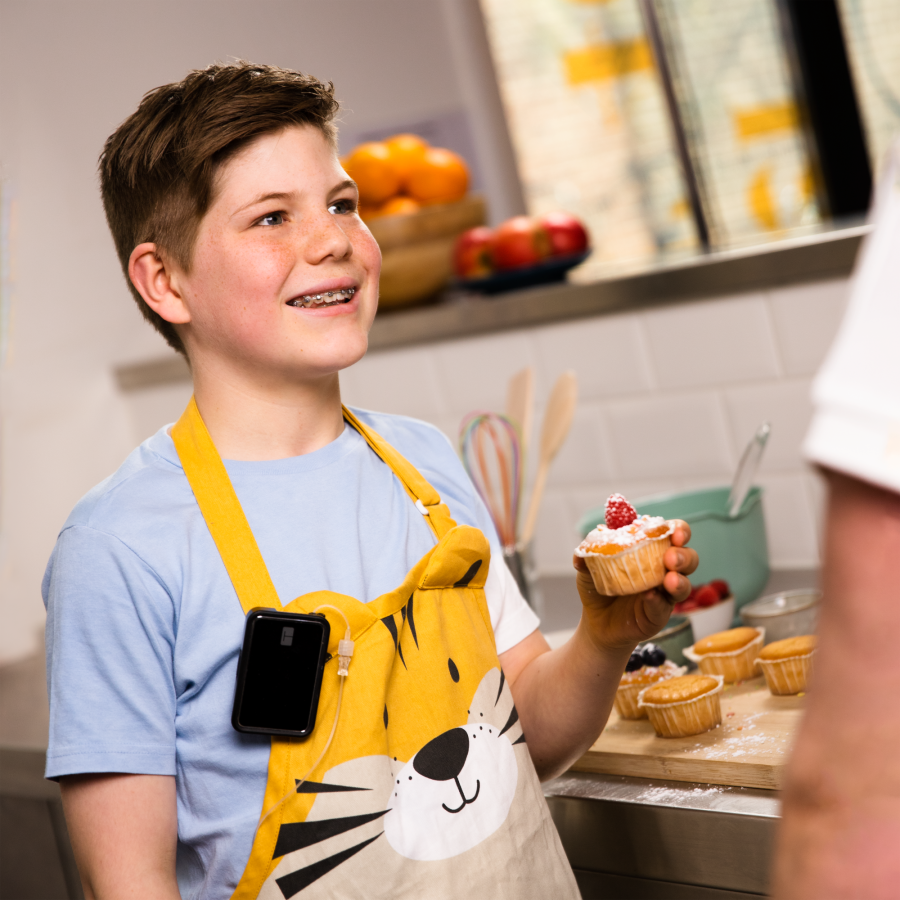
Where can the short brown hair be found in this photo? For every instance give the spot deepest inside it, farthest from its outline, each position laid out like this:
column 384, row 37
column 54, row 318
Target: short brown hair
column 158, row 168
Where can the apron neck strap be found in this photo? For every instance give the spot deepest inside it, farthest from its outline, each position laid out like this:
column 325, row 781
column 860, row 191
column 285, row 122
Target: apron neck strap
column 426, row 498
column 222, row 511
column 228, row 525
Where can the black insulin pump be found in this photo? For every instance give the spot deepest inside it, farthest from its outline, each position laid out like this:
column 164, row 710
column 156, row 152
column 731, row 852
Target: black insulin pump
column 280, row 673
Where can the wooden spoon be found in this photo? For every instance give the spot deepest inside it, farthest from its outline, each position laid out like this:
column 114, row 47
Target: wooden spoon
column 557, row 422
column 520, row 405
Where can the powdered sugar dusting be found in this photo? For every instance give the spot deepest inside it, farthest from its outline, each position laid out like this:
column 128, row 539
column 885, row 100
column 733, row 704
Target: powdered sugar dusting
column 671, row 795
column 739, row 737
column 627, row 536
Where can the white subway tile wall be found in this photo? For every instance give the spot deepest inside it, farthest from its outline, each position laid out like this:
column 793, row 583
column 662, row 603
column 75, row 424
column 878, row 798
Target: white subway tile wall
column 786, row 406
column 668, row 399
column 611, row 353
column 712, row 343
column 806, row 319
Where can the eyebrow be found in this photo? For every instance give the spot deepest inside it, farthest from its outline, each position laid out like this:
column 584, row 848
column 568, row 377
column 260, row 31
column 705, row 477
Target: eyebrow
column 291, row 195
column 265, row 198
column 346, row 183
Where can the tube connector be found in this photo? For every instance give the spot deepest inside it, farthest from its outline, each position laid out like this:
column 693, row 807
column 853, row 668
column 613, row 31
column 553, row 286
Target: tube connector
column 345, row 651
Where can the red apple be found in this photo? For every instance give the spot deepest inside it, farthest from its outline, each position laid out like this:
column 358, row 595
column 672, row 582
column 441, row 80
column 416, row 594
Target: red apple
column 519, row 242
column 472, row 253
column 567, row 235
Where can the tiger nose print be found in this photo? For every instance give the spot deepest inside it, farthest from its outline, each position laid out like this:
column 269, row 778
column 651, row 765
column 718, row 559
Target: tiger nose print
column 443, row 757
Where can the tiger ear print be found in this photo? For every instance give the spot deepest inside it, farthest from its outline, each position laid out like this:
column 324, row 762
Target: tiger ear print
column 493, row 704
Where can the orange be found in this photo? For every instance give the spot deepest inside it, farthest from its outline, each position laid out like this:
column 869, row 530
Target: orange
column 399, row 206
column 407, row 151
column 371, row 167
column 441, row 176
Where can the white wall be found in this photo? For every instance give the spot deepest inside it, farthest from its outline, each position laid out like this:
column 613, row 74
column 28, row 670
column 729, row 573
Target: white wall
column 69, row 73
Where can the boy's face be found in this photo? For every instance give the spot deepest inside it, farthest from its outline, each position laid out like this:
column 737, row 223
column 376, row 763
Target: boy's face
column 283, row 229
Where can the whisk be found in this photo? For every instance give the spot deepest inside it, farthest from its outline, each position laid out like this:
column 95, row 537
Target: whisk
column 489, row 446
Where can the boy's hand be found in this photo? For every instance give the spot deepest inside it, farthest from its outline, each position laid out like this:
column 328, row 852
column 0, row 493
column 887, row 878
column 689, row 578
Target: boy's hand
column 618, row 623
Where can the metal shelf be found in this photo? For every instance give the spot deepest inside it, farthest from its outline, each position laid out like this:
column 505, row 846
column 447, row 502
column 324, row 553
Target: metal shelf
column 817, row 257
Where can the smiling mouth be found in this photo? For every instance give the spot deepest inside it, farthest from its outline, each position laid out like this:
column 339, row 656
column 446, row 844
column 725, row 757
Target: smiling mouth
column 465, row 800
column 328, row 298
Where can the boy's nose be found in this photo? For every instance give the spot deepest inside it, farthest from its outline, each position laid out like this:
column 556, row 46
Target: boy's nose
column 443, row 757
column 327, row 238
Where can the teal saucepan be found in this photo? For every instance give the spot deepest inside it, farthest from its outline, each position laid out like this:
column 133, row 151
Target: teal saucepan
column 733, row 549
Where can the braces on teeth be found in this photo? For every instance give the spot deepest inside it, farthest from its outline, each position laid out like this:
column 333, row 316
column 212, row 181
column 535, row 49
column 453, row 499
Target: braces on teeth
column 326, row 299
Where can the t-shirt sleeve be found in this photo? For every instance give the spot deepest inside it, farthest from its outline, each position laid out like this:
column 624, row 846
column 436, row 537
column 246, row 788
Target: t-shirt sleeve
column 110, row 640
column 511, row 617
column 856, row 395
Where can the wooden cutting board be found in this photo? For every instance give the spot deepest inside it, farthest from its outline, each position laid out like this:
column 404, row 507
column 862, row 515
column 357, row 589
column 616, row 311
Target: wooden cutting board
column 749, row 748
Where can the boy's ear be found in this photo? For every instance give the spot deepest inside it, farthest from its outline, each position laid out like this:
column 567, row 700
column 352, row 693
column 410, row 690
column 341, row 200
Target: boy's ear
column 154, row 281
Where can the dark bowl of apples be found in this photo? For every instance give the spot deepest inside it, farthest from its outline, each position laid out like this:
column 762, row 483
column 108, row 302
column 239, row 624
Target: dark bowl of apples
column 523, row 252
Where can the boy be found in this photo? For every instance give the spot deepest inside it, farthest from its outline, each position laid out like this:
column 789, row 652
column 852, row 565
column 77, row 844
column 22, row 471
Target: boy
column 238, row 232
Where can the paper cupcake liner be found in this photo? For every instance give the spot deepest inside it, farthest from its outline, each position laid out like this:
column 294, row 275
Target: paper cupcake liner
column 632, row 570
column 626, row 701
column 686, row 717
column 735, row 665
column 787, row 676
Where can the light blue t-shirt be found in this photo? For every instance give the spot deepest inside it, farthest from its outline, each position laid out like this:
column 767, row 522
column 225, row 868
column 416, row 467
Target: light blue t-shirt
column 144, row 627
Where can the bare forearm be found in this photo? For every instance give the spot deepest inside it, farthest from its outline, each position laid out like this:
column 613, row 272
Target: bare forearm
column 564, row 698
column 841, row 822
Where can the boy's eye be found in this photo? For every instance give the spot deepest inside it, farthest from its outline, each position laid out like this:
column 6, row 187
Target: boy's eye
column 344, row 206
column 275, row 218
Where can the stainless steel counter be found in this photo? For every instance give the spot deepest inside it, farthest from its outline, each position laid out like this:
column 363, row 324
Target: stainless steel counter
column 637, row 838
column 625, row 837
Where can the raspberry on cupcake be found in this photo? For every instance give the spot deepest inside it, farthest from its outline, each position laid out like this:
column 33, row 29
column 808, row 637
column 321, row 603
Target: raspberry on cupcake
column 625, row 555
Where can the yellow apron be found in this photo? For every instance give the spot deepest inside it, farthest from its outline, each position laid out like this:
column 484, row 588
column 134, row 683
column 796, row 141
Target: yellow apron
column 428, row 789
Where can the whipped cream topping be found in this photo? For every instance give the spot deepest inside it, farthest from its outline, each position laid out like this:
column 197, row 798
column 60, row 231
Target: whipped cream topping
column 624, row 537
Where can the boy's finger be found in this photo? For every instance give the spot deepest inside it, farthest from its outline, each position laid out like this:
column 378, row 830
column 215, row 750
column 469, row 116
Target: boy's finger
column 677, row 586
column 681, row 559
column 682, row 533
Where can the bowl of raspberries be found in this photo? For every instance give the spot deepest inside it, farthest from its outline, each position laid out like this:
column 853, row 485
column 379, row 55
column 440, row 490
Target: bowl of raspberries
column 710, row 607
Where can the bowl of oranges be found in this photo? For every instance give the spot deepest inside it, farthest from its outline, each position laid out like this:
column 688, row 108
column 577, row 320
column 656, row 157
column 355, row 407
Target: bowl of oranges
column 415, row 200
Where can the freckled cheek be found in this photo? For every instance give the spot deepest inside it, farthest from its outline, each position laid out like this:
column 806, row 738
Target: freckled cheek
column 367, row 251
column 251, row 282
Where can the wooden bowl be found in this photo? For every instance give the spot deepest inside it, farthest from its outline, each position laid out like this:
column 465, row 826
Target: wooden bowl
column 417, row 249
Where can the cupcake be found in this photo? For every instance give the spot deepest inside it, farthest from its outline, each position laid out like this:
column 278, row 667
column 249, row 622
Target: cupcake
column 786, row 664
column 731, row 653
column 647, row 665
column 680, row 707
column 625, row 556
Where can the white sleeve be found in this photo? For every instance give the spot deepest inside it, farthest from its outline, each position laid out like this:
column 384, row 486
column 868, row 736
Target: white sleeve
column 511, row 617
column 856, row 395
